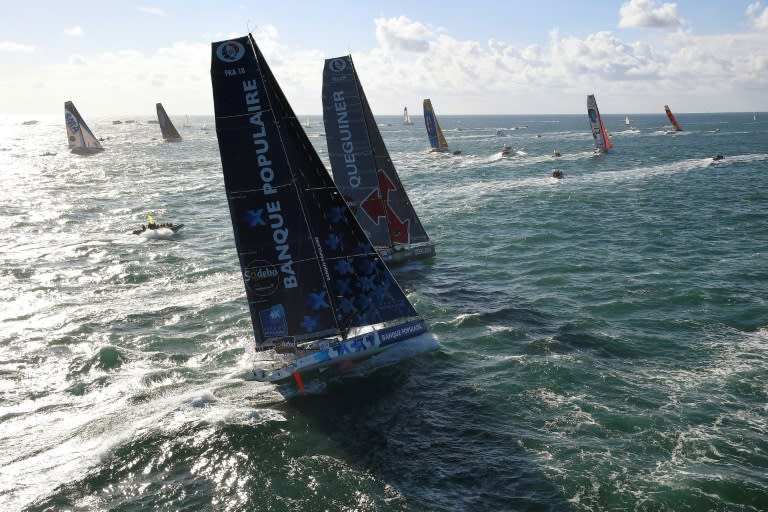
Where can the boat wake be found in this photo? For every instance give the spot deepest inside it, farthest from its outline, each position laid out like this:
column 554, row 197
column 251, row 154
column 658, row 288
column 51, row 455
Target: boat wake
column 158, row 234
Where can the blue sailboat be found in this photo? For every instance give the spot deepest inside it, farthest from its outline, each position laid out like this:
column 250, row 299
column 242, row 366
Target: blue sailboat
column 318, row 292
column 434, row 132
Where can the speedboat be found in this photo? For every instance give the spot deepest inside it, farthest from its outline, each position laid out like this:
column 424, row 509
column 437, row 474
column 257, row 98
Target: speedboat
column 158, row 231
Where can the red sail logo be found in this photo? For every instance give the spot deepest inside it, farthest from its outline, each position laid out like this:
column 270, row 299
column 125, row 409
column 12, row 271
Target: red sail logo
column 376, row 206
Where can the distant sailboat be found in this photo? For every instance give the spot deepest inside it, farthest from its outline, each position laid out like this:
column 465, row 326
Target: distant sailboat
column 626, row 121
column 434, row 132
column 406, row 117
column 170, row 134
column 318, row 293
column 672, row 119
column 754, row 117
column 80, row 137
column 599, row 132
column 363, row 170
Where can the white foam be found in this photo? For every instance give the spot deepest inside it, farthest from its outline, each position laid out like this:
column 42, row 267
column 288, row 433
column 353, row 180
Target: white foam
column 157, row 234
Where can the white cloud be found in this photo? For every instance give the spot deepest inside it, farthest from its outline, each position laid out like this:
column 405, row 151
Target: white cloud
column 462, row 76
column 759, row 19
column 156, row 11
column 402, row 34
column 645, row 14
column 11, row 47
column 75, row 31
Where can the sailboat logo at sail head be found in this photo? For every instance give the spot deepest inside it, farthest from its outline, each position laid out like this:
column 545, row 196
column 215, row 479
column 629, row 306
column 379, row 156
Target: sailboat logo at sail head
column 337, row 65
column 230, row 51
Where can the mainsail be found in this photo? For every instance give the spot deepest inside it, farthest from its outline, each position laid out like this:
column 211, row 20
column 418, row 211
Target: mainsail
column 363, row 170
column 406, row 117
column 672, row 119
column 313, row 281
column 434, row 132
column 170, row 133
column 80, row 137
column 599, row 133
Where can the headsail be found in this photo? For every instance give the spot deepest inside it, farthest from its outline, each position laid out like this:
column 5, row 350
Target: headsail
column 406, row 117
column 599, row 132
column 80, row 137
column 672, row 119
column 434, row 132
column 166, row 126
column 363, row 170
column 309, row 270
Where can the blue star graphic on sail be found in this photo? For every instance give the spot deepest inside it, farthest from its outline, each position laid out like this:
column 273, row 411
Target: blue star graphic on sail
column 336, row 215
column 363, row 302
column 317, row 301
column 309, row 324
column 347, row 306
column 366, row 283
column 367, row 267
column 363, row 248
column 380, row 293
column 363, row 318
column 343, row 287
column 254, row 218
column 333, row 242
column 344, row 267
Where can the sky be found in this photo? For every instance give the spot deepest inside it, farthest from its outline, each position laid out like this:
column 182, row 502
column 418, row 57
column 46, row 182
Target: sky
column 469, row 57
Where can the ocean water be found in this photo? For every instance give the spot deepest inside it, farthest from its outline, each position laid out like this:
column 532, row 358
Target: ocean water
column 603, row 338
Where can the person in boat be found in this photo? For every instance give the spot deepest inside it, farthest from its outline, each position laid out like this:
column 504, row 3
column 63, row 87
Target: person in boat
column 505, row 151
column 557, row 173
column 151, row 222
column 718, row 156
column 555, row 153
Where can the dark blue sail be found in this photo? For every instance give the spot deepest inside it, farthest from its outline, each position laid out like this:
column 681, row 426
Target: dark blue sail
column 349, row 150
column 308, row 267
column 434, row 132
column 361, row 165
column 431, row 124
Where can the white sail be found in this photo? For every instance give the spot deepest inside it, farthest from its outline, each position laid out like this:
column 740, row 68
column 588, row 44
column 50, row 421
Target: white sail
column 406, row 117
column 80, row 138
column 626, row 120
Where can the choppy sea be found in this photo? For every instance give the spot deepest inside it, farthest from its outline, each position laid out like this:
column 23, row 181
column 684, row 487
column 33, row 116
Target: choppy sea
column 603, row 337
